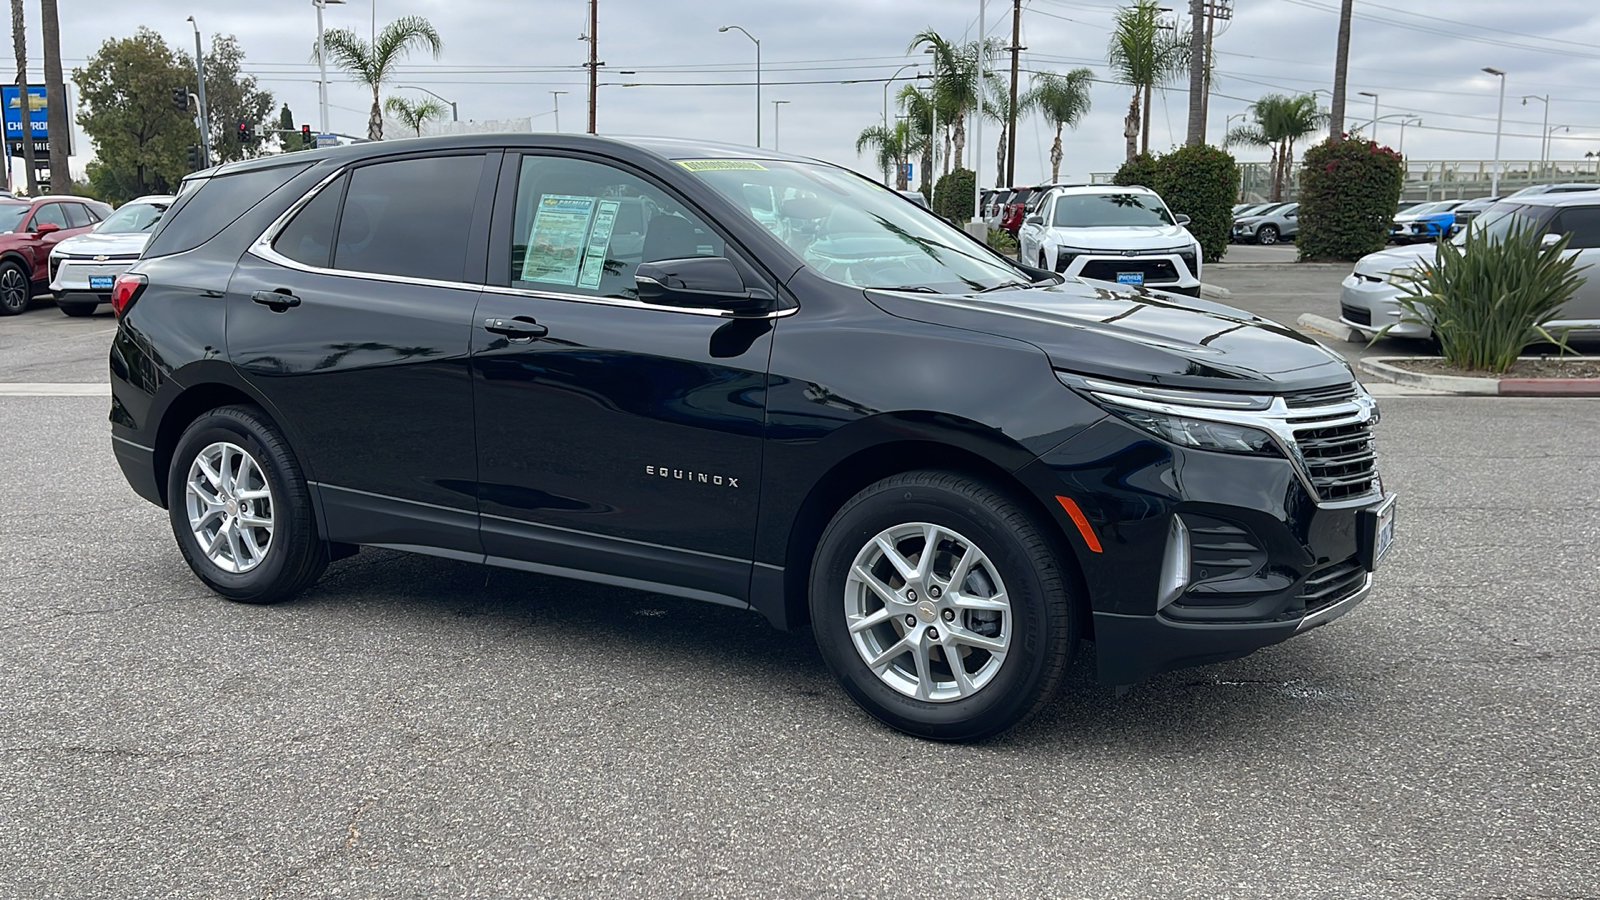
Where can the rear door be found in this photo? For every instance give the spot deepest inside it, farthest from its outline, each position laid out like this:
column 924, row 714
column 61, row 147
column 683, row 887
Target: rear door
column 354, row 321
column 1582, row 224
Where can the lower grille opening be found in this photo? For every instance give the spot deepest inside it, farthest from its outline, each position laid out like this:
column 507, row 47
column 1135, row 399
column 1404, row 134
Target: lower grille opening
column 1152, row 269
column 1355, row 314
column 1329, row 585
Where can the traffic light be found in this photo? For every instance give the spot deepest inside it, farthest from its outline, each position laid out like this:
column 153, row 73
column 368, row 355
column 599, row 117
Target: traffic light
column 244, row 132
column 180, row 99
column 307, row 139
column 194, row 157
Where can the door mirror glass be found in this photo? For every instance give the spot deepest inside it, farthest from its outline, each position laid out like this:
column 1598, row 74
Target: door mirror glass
column 1181, row 219
column 701, row 281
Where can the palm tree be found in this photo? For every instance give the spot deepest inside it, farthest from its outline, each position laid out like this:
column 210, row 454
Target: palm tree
column 919, row 109
column 374, row 64
column 956, row 81
column 414, row 113
column 890, row 147
column 1341, row 68
column 1063, row 100
column 1279, row 122
column 19, row 41
column 1144, row 55
column 997, row 108
column 55, row 90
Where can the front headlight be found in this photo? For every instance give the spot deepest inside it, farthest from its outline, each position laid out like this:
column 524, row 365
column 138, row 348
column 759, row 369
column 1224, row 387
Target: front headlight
column 1200, row 434
column 1183, row 417
column 1401, row 277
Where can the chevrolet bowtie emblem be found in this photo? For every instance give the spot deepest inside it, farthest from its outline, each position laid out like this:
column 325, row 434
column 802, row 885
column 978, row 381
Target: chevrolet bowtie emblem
column 101, row 258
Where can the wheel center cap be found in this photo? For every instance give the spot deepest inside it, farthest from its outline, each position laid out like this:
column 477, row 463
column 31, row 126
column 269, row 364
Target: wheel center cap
column 232, row 506
column 926, row 612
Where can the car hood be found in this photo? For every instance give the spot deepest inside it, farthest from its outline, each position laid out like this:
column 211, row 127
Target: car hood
column 1136, row 335
column 1394, row 259
column 93, row 244
column 1155, row 237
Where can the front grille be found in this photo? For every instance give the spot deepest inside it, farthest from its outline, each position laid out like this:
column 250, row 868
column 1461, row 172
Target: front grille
column 1355, row 314
column 1331, row 584
column 1339, row 458
column 1154, row 270
column 1323, row 396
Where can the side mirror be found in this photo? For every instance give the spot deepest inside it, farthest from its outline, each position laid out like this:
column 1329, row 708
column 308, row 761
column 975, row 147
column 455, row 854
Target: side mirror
column 1034, row 220
column 701, row 281
column 1181, row 219
column 1550, row 240
column 44, row 228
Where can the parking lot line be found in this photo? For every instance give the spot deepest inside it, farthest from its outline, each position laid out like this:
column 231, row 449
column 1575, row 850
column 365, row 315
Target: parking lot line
column 54, row 389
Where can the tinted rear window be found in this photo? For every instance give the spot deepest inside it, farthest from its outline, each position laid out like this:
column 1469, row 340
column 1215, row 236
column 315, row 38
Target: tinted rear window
column 219, row 202
column 410, row 217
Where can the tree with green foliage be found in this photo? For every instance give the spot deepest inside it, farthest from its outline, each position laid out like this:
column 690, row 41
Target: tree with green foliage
column 1201, row 182
column 953, row 195
column 1063, row 100
column 1348, row 192
column 373, row 64
column 287, row 142
column 1279, row 122
column 1140, row 171
column 1145, row 55
column 957, row 83
column 889, row 147
column 414, row 113
column 233, row 97
column 919, row 108
column 997, row 108
column 141, row 143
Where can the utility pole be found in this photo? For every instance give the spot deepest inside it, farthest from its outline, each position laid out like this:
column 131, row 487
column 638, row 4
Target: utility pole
column 1341, row 67
column 594, row 58
column 555, row 100
column 1011, row 117
column 1197, row 74
column 200, row 82
column 1215, row 9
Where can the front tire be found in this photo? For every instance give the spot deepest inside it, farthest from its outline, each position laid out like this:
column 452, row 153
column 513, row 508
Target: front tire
column 240, row 508
column 941, row 607
column 15, row 289
column 1267, row 234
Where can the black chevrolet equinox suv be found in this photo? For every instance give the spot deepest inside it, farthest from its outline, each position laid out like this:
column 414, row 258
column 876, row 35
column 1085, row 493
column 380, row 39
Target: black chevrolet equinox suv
column 742, row 377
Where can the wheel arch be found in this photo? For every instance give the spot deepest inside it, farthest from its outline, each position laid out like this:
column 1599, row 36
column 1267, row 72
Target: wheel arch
column 848, row 476
column 204, row 386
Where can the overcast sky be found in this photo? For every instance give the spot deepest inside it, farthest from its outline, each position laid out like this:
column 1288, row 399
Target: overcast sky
column 502, row 58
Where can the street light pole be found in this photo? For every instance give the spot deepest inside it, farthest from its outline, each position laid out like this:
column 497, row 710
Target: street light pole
column 200, row 81
column 977, row 130
column 555, row 100
column 1544, row 139
column 1499, row 123
column 775, row 133
column 452, row 103
column 1374, row 135
column 757, row 42
column 322, row 64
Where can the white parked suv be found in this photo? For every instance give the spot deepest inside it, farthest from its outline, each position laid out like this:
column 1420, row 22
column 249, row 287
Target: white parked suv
column 1124, row 235
column 1369, row 300
column 83, row 267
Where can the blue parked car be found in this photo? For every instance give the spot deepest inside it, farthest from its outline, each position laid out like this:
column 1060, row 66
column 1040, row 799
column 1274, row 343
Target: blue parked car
column 1428, row 222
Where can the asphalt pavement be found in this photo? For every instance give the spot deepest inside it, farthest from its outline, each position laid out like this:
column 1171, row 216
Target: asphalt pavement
column 421, row 728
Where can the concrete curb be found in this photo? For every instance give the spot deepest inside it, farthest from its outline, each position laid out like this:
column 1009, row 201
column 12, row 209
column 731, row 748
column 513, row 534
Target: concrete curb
column 1460, row 384
column 1212, row 292
column 1279, row 265
column 1331, row 327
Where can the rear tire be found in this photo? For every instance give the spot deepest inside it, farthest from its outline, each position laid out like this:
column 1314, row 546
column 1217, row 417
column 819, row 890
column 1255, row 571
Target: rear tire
column 1267, row 234
column 77, row 310
column 15, row 289
column 234, row 484
column 1004, row 616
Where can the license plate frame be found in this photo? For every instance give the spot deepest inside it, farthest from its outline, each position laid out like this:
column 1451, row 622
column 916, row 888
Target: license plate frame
column 1132, row 278
column 101, row 282
column 1377, row 531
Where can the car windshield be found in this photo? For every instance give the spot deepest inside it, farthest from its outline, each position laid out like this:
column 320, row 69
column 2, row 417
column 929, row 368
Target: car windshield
column 11, row 215
column 1498, row 221
column 1110, row 210
column 133, row 218
column 1425, row 209
column 853, row 230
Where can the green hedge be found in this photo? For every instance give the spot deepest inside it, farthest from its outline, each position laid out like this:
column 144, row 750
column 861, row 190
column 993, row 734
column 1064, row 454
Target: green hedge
column 1139, row 171
column 953, row 195
column 1348, row 192
column 1201, row 182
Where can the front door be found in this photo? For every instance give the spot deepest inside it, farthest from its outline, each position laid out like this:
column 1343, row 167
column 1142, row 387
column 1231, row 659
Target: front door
column 617, row 440
column 1581, row 224
column 355, row 324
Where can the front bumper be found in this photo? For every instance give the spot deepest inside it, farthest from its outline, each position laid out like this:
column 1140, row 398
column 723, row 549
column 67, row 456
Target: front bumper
column 70, row 277
column 1369, row 307
column 1162, row 271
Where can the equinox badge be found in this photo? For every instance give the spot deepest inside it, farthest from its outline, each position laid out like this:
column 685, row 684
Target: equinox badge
column 685, row 475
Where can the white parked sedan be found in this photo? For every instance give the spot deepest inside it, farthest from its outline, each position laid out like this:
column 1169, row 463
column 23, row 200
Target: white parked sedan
column 1119, row 234
column 83, row 267
column 1369, row 299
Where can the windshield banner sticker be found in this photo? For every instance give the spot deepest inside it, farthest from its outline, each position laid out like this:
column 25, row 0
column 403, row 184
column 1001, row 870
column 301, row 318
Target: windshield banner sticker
column 594, row 257
column 721, row 165
column 556, row 244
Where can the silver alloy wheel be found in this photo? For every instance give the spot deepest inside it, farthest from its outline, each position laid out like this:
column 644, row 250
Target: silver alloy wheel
column 1267, row 235
column 230, row 507
column 13, row 288
column 927, row 611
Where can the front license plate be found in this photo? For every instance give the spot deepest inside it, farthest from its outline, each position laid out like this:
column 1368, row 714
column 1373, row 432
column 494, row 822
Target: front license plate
column 1130, row 278
column 1377, row 531
column 100, row 282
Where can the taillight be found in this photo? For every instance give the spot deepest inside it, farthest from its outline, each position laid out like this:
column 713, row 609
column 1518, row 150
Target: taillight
column 125, row 290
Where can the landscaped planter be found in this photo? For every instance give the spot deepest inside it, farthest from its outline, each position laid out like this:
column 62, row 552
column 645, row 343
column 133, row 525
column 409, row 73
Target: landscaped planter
column 1531, row 376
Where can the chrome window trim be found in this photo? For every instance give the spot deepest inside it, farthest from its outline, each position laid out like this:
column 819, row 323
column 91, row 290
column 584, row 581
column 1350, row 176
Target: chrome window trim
column 262, row 249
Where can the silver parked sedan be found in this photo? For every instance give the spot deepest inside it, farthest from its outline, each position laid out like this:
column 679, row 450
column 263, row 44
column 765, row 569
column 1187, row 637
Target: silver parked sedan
column 1369, row 299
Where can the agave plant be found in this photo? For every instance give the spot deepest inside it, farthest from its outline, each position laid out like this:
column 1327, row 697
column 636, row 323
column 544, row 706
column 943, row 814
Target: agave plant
column 1492, row 295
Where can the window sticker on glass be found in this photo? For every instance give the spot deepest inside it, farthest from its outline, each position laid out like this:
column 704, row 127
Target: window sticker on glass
column 721, row 165
column 556, row 243
column 594, row 257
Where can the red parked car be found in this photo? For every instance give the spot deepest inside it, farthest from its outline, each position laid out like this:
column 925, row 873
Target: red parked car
column 1011, row 218
column 29, row 229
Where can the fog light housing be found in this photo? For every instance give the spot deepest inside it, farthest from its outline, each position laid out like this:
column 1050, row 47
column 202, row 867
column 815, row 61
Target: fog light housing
column 1174, row 564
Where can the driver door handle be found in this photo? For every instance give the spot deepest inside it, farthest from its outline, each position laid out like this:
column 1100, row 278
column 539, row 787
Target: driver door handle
column 516, row 327
column 277, row 301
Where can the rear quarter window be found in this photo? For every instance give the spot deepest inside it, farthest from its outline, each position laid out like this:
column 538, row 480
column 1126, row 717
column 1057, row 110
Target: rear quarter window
column 217, row 204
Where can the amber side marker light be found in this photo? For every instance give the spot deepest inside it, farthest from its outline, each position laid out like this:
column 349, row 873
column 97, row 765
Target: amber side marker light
column 1079, row 520
column 124, row 290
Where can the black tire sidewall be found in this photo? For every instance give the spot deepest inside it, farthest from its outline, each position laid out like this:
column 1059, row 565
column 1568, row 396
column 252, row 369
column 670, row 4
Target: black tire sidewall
column 262, row 583
column 1012, row 693
column 6, row 310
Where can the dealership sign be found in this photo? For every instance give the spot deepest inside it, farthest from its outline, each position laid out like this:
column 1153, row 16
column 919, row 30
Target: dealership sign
column 38, row 115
